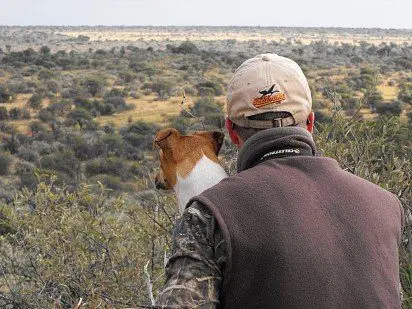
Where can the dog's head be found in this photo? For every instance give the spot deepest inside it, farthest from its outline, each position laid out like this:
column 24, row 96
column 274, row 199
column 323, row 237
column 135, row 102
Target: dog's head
column 178, row 154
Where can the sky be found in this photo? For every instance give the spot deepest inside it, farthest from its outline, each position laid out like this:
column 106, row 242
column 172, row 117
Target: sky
column 299, row 13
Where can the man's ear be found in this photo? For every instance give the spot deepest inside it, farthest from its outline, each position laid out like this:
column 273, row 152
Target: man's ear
column 164, row 138
column 310, row 122
column 232, row 133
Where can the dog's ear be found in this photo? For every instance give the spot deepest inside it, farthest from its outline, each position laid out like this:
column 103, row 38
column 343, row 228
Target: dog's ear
column 164, row 138
column 217, row 138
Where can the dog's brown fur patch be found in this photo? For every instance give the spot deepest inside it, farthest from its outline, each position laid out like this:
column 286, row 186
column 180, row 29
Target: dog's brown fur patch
column 178, row 153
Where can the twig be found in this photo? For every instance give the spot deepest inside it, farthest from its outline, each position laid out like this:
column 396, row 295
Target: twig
column 149, row 283
column 8, row 284
column 188, row 112
column 79, row 304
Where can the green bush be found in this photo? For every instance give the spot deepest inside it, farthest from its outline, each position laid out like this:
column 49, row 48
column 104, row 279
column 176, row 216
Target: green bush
column 16, row 113
column 64, row 161
column 35, row 101
column 26, row 173
column 139, row 134
column 61, row 246
column 5, row 95
column 381, row 152
column 389, row 109
column 4, row 115
column 5, row 162
column 95, row 84
column 209, row 88
column 112, row 166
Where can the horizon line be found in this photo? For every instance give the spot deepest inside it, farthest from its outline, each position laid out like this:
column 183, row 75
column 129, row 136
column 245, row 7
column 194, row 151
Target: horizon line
column 213, row 26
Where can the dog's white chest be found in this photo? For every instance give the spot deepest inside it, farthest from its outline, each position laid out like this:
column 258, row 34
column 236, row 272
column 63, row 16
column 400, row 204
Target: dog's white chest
column 205, row 174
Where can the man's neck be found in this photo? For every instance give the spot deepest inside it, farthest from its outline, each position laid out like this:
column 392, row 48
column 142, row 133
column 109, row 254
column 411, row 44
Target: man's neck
column 275, row 143
column 205, row 174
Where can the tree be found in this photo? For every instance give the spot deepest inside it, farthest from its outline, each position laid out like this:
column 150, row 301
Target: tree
column 5, row 162
column 45, row 50
column 15, row 113
column 4, row 115
column 162, row 87
column 5, row 94
column 37, row 127
column 209, row 88
column 79, row 116
column 35, row 101
column 373, row 98
column 95, row 84
column 389, row 109
column 186, row 47
column 405, row 93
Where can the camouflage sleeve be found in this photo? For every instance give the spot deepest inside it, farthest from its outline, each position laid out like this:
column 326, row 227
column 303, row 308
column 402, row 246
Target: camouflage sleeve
column 194, row 271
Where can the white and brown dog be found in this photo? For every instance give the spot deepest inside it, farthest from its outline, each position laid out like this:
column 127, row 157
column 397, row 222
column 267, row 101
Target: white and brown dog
column 188, row 163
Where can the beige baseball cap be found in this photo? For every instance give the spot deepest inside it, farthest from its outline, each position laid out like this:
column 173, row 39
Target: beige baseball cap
column 268, row 83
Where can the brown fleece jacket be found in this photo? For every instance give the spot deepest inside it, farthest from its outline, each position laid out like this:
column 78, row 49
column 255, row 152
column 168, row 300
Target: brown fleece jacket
column 303, row 233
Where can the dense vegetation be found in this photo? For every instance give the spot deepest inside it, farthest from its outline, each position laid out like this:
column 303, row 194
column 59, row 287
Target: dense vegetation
column 79, row 218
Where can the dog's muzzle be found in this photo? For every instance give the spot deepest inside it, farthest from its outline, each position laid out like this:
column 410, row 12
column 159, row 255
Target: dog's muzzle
column 160, row 185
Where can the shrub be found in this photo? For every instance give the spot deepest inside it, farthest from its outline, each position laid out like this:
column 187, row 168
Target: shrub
column 53, row 86
column 405, row 92
column 5, row 162
column 85, row 244
column 26, row 173
column 46, row 74
column 113, row 144
column 45, row 115
column 209, row 88
column 65, row 162
column 113, row 104
column 37, row 127
column 4, row 115
column 16, row 113
column 389, row 109
column 162, row 87
column 95, row 84
column 207, row 111
column 5, row 95
column 79, row 116
column 139, row 134
column 204, row 106
column 186, row 47
column 28, row 154
column 112, row 166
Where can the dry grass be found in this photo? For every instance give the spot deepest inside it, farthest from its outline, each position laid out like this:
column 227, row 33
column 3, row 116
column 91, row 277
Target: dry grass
column 149, row 109
column 21, row 102
column 130, row 35
column 389, row 93
column 21, row 126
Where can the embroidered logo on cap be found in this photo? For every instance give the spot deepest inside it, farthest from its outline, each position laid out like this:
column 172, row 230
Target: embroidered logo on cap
column 269, row 96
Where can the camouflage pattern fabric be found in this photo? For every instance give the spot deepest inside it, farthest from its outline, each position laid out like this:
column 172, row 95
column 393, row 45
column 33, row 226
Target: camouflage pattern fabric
column 195, row 270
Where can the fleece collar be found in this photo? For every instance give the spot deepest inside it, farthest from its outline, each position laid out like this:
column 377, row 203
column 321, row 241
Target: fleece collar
column 275, row 143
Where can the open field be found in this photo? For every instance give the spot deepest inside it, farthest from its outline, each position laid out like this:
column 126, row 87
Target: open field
column 389, row 93
column 85, row 38
column 232, row 33
column 149, row 108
